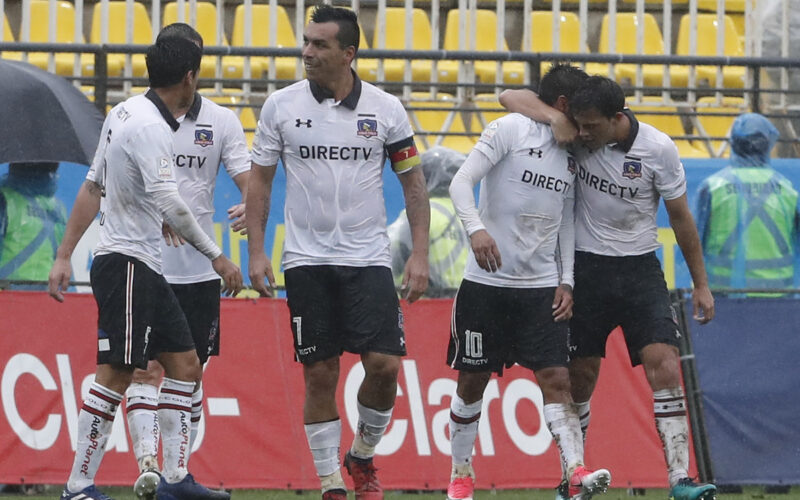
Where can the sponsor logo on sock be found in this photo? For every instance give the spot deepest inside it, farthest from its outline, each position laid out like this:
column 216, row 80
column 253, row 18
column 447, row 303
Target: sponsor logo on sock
column 184, row 442
column 93, row 445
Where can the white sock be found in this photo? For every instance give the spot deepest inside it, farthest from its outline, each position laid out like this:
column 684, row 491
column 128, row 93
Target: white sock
column 669, row 408
column 371, row 426
column 197, row 413
column 562, row 420
column 141, row 409
column 94, row 427
column 323, row 440
column 584, row 412
column 464, row 420
column 174, row 416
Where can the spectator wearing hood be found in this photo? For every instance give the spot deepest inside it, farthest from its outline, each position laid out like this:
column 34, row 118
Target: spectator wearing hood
column 747, row 214
column 448, row 242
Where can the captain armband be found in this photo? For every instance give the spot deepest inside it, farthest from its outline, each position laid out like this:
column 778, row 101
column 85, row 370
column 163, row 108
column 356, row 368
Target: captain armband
column 403, row 155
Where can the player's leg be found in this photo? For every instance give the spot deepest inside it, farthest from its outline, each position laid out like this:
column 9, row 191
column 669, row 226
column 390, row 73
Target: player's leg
column 200, row 303
column 119, row 285
column 141, row 409
column 373, row 327
column 316, row 346
column 653, row 337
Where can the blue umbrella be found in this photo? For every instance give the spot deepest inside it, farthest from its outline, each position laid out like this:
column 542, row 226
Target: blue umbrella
column 43, row 117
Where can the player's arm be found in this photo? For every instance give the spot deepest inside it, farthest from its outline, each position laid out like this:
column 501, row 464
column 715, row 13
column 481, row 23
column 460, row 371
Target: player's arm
column 259, row 194
column 84, row 210
column 237, row 213
column 562, row 303
column 526, row 102
column 682, row 222
column 406, row 163
column 475, row 168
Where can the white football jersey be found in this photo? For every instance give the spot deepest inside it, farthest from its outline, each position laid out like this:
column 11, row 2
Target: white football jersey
column 134, row 159
column 521, row 202
column 333, row 153
column 209, row 134
column 618, row 188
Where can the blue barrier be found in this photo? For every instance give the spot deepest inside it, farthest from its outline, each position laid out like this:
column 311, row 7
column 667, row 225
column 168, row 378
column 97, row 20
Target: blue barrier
column 748, row 374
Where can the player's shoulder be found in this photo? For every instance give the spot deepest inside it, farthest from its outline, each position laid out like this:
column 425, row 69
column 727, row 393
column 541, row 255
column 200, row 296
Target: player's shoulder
column 137, row 113
column 651, row 142
column 372, row 94
column 290, row 92
column 216, row 110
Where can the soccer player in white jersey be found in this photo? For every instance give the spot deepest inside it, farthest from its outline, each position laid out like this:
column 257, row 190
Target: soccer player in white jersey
column 624, row 169
column 209, row 135
column 132, row 183
column 516, row 296
column 333, row 134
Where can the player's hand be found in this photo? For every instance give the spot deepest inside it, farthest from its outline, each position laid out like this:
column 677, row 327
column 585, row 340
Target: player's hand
column 58, row 281
column 230, row 273
column 703, row 304
column 260, row 267
column 564, row 131
column 487, row 255
column 415, row 277
column 236, row 213
column 562, row 303
column 172, row 238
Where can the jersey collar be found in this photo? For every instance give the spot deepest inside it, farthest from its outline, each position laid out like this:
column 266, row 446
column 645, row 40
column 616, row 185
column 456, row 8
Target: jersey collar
column 627, row 144
column 351, row 101
column 192, row 114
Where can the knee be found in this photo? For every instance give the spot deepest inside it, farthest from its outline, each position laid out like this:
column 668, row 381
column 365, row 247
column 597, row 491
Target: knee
column 184, row 366
column 150, row 376
column 321, row 376
column 382, row 369
column 471, row 385
column 663, row 369
column 555, row 385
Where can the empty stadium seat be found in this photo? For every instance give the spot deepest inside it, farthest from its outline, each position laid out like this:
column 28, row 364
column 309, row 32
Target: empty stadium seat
column 485, row 36
column 284, row 37
column 718, row 126
column 625, row 43
column 434, row 121
column 667, row 120
column 542, row 34
column 395, row 38
column 64, row 33
column 206, row 25
column 118, row 32
column 249, row 124
column 733, row 76
column 730, row 5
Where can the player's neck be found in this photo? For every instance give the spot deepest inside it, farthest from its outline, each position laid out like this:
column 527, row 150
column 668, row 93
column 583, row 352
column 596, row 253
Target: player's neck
column 623, row 128
column 340, row 85
column 175, row 100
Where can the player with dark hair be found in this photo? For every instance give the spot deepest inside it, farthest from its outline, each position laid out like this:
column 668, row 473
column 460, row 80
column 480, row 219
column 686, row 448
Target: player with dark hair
column 209, row 136
column 333, row 133
column 516, row 296
column 132, row 183
column 624, row 169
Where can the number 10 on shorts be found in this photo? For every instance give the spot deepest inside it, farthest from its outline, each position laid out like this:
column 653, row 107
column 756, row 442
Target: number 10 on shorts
column 473, row 344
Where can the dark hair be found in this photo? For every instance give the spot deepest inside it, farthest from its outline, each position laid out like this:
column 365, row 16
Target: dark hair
column 600, row 93
column 180, row 30
column 562, row 79
column 349, row 32
column 169, row 59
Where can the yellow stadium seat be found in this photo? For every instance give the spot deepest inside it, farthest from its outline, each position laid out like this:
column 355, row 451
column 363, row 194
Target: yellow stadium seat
column 668, row 121
column 206, row 25
column 118, row 33
column 249, row 124
column 429, row 124
column 542, row 34
column 730, row 5
column 625, row 43
column 65, row 33
column 733, row 76
column 395, row 38
column 284, row 66
column 8, row 35
column 718, row 126
column 485, row 40
column 367, row 68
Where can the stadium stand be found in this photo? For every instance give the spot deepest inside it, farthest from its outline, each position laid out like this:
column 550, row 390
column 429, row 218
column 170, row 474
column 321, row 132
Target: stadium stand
column 116, row 31
column 429, row 124
column 715, row 118
column 665, row 118
column 707, row 26
column 568, row 34
column 395, row 38
column 259, row 16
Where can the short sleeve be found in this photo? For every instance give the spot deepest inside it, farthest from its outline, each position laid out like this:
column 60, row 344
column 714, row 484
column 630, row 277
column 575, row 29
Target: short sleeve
column 399, row 128
column 268, row 143
column 494, row 141
column 153, row 152
column 96, row 169
column 235, row 156
column 670, row 178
